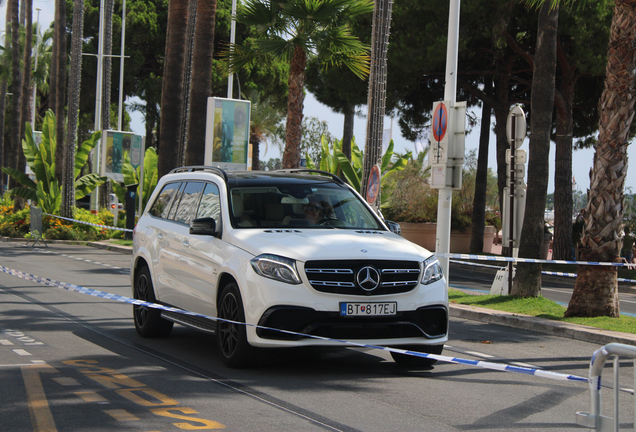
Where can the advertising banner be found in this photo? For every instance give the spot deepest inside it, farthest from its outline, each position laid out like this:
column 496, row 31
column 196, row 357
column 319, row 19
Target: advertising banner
column 114, row 145
column 227, row 133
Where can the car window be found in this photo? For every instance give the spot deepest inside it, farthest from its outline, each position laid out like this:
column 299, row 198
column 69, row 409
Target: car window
column 189, row 200
column 162, row 204
column 210, row 205
column 175, row 202
column 319, row 205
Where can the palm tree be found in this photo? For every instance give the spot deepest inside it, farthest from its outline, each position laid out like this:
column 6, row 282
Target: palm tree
column 3, row 92
column 57, row 96
column 527, row 282
column 68, row 198
column 201, row 83
column 172, row 94
column 293, row 30
column 16, row 85
column 596, row 288
column 26, row 79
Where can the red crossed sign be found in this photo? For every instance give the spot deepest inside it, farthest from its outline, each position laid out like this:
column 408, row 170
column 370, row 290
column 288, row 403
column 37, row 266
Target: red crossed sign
column 440, row 121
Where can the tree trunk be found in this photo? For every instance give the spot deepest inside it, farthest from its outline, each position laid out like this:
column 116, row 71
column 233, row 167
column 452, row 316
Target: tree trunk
column 16, row 87
column 107, row 66
column 26, row 80
column 347, row 130
column 502, row 108
column 4, row 150
column 563, row 205
column 481, row 181
column 295, row 99
column 172, row 97
column 187, row 77
column 527, row 282
column 602, row 231
column 59, row 41
column 201, row 86
column 68, row 196
column 107, row 74
column 256, row 142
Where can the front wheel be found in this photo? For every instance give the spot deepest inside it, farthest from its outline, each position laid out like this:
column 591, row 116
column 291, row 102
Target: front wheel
column 236, row 352
column 414, row 361
column 148, row 322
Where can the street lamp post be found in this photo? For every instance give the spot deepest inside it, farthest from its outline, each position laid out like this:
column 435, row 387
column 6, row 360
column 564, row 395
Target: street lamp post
column 35, row 87
column 120, row 117
column 230, row 78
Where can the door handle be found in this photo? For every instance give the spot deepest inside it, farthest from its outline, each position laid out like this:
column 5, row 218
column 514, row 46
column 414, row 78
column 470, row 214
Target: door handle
column 160, row 236
column 186, row 243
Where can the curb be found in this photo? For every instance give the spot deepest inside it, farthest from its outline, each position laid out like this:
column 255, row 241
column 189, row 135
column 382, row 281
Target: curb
column 540, row 325
column 111, row 247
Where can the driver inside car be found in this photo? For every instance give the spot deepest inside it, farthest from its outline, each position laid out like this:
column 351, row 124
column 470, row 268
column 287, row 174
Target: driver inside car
column 318, row 211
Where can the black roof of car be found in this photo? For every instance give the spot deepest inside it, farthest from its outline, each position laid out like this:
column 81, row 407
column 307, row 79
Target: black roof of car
column 235, row 178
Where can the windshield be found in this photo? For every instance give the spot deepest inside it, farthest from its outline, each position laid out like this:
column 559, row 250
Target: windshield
column 300, row 206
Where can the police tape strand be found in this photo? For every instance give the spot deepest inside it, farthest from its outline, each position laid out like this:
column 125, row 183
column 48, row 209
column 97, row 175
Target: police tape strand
column 528, row 260
column 115, row 297
column 89, row 223
column 549, row 273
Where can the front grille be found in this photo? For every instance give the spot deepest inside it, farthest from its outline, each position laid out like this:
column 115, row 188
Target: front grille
column 428, row 322
column 340, row 276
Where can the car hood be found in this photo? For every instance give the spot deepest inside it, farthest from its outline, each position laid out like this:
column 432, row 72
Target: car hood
column 320, row 244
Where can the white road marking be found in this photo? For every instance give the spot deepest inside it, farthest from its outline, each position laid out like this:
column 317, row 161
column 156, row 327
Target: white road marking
column 478, row 354
column 21, row 352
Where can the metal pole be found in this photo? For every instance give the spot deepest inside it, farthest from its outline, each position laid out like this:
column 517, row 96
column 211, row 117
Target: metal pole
column 120, row 117
column 511, row 213
column 445, row 196
column 98, row 104
column 230, row 78
column 35, row 87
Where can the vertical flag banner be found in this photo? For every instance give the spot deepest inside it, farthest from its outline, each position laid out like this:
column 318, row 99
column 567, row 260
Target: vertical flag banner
column 227, row 133
column 115, row 144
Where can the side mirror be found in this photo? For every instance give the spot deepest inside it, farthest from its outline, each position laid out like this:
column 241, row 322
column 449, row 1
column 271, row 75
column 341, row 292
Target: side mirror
column 204, row 226
column 394, row 227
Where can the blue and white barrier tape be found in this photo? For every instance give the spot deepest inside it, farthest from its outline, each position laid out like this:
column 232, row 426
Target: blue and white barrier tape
column 527, row 260
column 550, row 273
column 89, row 223
column 477, row 363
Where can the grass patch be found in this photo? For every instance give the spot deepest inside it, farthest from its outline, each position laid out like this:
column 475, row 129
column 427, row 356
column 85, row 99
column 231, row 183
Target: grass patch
column 540, row 307
column 121, row 242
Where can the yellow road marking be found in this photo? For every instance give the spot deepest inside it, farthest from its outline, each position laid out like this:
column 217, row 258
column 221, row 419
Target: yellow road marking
column 121, row 415
column 41, row 417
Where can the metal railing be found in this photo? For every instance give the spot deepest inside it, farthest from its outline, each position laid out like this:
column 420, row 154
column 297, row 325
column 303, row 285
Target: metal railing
column 594, row 419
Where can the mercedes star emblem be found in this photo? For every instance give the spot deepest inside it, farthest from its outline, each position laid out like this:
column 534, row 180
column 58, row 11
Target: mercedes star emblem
column 368, row 278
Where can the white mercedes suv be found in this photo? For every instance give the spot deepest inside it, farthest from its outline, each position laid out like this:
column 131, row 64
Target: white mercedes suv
column 293, row 250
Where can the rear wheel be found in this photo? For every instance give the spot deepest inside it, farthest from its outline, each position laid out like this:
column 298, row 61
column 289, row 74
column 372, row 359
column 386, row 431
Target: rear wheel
column 148, row 321
column 414, row 361
column 236, row 352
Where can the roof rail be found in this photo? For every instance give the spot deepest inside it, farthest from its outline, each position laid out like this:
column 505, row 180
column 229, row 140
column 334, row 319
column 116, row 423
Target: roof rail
column 307, row 170
column 193, row 168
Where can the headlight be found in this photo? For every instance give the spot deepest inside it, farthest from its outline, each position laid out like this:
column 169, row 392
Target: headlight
column 432, row 271
column 276, row 267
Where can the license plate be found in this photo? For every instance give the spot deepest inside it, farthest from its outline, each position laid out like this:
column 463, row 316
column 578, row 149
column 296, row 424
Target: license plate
column 368, row 309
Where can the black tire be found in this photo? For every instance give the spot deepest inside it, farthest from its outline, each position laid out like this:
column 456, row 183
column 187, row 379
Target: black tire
column 148, row 321
column 413, row 361
column 235, row 351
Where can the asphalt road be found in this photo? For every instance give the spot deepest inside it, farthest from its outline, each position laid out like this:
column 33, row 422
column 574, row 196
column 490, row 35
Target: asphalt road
column 73, row 362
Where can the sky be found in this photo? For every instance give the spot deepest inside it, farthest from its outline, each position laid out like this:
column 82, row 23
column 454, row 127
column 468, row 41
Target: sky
column 582, row 159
